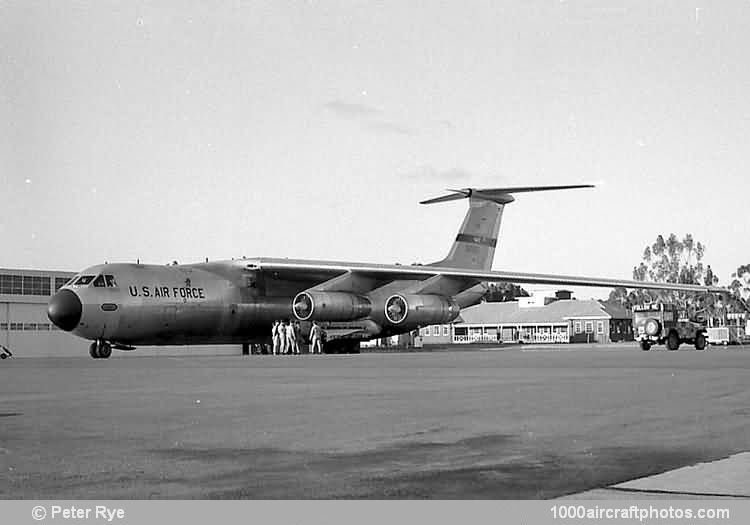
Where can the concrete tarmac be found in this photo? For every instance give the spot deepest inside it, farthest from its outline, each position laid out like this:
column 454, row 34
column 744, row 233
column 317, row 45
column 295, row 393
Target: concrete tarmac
column 522, row 422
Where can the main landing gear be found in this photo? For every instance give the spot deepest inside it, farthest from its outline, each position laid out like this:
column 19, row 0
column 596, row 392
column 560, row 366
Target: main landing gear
column 100, row 349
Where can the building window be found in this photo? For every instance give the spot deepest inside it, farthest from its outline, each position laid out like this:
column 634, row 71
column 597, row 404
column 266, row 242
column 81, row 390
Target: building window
column 11, row 284
column 42, row 326
column 426, row 330
column 24, row 285
column 589, row 327
column 36, row 285
column 446, row 330
column 16, row 326
column 577, row 326
column 436, row 330
column 3, row 326
column 600, row 327
column 29, row 326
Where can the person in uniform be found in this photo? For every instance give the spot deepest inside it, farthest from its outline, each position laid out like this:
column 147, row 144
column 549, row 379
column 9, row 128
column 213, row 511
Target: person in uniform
column 297, row 337
column 275, row 337
column 284, row 348
column 291, row 339
column 315, row 339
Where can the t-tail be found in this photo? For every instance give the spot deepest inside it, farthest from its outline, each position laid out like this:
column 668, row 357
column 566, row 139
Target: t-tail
column 474, row 247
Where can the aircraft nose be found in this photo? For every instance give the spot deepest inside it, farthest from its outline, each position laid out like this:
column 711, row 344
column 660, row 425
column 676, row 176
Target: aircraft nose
column 64, row 309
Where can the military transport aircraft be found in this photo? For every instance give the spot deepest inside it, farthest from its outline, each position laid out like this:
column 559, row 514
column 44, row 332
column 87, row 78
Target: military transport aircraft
column 123, row 305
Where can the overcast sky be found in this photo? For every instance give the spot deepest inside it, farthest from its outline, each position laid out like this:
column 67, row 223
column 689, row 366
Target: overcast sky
column 185, row 130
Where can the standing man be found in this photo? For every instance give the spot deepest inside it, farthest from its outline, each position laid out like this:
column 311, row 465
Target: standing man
column 282, row 338
column 297, row 337
column 315, row 338
column 275, row 337
column 291, row 339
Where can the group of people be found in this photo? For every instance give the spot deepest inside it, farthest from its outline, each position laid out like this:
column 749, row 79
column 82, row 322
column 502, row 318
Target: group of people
column 286, row 338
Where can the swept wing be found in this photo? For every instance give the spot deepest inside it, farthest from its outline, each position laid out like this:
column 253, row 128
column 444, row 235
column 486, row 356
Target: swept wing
column 385, row 272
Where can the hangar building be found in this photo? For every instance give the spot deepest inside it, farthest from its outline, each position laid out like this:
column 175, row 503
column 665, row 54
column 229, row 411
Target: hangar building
column 27, row 332
column 24, row 326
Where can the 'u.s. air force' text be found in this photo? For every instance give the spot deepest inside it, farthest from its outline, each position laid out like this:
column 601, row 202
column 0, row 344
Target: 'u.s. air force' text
column 174, row 292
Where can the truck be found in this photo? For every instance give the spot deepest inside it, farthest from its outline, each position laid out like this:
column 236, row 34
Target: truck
column 657, row 324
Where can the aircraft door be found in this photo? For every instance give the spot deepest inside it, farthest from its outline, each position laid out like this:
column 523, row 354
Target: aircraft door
column 169, row 317
column 110, row 319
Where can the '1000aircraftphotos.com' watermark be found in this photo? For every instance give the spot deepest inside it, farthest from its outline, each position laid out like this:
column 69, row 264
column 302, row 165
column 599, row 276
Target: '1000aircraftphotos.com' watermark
column 72, row 512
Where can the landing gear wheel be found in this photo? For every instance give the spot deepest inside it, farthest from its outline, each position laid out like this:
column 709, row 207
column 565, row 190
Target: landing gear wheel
column 100, row 349
column 645, row 346
column 673, row 341
column 105, row 350
column 700, row 342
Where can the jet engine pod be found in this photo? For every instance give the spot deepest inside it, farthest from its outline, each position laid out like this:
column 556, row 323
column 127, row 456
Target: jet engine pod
column 421, row 309
column 330, row 306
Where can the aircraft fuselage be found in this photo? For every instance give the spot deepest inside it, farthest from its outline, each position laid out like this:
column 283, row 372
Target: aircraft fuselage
column 207, row 303
column 191, row 304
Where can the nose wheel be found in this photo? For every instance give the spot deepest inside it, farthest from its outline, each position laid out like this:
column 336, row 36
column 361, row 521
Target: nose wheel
column 100, row 349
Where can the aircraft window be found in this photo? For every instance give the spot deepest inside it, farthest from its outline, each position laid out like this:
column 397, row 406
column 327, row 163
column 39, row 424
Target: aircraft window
column 83, row 280
column 99, row 281
column 111, row 283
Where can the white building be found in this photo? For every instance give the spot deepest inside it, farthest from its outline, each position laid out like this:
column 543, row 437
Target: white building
column 536, row 319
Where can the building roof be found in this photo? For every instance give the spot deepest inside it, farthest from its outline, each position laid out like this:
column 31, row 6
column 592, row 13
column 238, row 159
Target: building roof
column 556, row 312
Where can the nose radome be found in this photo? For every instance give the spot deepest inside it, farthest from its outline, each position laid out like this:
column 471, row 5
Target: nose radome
column 64, row 309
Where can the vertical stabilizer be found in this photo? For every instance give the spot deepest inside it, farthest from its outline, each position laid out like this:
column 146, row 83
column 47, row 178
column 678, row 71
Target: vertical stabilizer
column 474, row 247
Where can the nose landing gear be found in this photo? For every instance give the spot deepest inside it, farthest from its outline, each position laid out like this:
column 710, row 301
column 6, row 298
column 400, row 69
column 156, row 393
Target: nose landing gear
column 100, row 349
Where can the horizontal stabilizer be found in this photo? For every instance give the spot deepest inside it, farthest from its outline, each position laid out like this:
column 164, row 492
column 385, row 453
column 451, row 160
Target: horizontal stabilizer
column 498, row 195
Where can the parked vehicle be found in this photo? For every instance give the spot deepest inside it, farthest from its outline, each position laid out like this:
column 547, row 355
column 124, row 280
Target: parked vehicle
column 725, row 335
column 660, row 324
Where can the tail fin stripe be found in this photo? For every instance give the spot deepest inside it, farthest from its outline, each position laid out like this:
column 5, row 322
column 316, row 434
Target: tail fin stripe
column 476, row 239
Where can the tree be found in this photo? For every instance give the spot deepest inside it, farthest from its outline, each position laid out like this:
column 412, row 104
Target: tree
column 671, row 261
column 740, row 288
column 502, row 292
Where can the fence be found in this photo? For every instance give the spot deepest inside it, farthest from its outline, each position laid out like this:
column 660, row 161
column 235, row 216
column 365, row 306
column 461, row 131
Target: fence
column 475, row 338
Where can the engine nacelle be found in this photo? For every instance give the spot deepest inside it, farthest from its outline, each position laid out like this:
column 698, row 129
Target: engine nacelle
column 420, row 309
column 330, row 306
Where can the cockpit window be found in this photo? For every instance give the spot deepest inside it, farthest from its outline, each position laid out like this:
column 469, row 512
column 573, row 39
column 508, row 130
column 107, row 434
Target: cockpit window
column 111, row 283
column 99, row 281
column 83, row 280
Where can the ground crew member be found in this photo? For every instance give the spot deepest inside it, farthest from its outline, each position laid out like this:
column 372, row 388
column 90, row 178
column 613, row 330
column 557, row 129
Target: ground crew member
column 282, row 338
column 297, row 337
column 315, row 338
column 275, row 337
column 290, row 338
